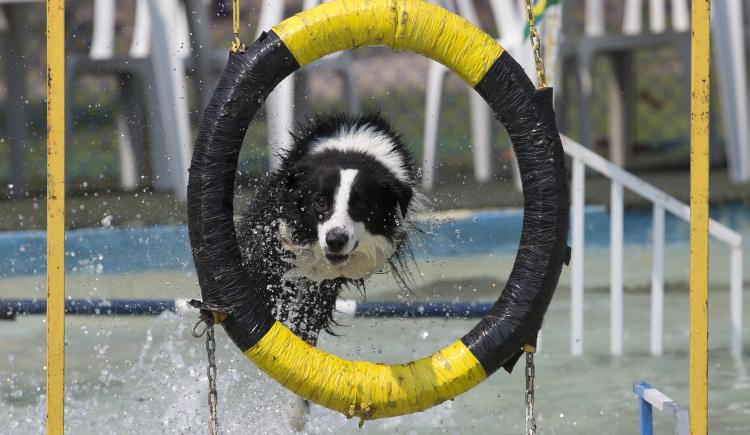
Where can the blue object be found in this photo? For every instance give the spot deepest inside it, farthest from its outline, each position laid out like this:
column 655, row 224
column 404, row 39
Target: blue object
column 429, row 309
column 10, row 308
column 663, row 403
column 647, row 418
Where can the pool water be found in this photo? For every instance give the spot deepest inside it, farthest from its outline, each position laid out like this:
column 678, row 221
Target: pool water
column 148, row 375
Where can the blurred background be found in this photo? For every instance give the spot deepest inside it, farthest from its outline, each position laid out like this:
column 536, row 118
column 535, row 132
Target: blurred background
column 127, row 133
column 140, row 72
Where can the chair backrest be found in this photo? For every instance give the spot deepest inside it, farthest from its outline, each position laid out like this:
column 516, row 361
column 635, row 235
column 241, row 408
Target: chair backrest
column 103, row 37
column 632, row 20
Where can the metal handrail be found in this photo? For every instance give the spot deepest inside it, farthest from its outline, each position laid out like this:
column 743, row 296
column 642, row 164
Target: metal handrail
column 645, row 189
column 663, row 202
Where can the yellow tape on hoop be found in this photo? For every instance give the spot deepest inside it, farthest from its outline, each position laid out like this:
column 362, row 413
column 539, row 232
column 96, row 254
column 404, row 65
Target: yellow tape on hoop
column 410, row 25
column 364, row 389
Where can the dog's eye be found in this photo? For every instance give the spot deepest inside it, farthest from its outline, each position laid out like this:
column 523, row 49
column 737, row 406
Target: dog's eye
column 320, row 202
column 360, row 204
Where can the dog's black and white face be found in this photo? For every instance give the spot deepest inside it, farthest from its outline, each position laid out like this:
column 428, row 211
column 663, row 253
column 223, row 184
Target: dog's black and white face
column 348, row 190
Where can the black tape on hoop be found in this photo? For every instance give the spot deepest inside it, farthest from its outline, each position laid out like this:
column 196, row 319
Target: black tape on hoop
column 516, row 317
column 247, row 80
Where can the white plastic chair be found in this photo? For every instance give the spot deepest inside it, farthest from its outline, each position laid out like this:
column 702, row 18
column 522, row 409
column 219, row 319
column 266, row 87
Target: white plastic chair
column 160, row 44
column 632, row 23
column 632, row 18
column 510, row 23
column 619, row 46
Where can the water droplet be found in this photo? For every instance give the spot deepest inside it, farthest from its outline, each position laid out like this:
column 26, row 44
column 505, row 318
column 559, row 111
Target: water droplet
column 107, row 221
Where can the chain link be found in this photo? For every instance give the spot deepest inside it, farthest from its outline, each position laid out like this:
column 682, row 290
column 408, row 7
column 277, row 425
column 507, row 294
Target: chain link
column 536, row 45
column 237, row 45
column 213, row 396
column 530, row 374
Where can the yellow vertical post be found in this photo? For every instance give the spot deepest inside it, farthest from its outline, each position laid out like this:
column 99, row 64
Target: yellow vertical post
column 55, row 216
column 699, row 117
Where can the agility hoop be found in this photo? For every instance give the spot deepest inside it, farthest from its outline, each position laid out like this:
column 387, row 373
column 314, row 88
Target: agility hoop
column 357, row 388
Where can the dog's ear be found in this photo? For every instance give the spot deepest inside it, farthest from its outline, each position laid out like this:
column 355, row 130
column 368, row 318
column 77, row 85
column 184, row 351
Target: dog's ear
column 289, row 180
column 403, row 194
column 292, row 174
column 398, row 191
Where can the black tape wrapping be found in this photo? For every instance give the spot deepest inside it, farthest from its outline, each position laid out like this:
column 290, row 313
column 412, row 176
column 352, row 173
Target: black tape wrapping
column 527, row 114
column 516, row 317
column 246, row 82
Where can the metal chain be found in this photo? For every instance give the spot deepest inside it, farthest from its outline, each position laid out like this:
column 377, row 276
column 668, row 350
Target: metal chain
column 536, row 45
column 237, row 45
column 530, row 418
column 213, row 396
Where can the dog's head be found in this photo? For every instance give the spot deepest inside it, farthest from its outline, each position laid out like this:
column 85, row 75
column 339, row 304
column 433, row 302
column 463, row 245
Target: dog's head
column 348, row 190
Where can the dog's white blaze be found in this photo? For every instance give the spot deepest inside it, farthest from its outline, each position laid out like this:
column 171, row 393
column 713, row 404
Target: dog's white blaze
column 369, row 141
column 340, row 217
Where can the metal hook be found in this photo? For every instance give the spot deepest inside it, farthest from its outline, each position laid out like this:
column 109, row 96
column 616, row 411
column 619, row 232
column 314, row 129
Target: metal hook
column 202, row 332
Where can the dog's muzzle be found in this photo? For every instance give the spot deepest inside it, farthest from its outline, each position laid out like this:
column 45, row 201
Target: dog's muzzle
column 337, row 240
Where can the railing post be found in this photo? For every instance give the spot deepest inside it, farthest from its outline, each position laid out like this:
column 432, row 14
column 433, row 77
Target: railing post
column 735, row 297
column 615, row 268
column 576, row 264
column 657, row 282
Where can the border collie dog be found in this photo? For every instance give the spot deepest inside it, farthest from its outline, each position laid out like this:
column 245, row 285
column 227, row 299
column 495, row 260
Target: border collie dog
column 333, row 214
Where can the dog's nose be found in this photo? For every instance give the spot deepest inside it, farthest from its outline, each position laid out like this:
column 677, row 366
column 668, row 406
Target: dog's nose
column 336, row 239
